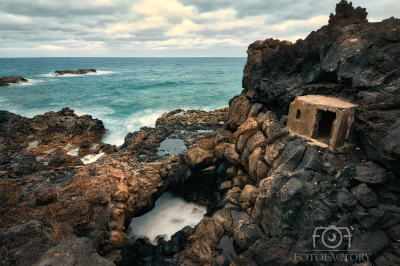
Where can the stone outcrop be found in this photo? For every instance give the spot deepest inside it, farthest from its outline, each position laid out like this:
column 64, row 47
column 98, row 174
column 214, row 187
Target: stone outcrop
column 43, row 174
column 5, row 81
column 75, row 72
column 349, row 58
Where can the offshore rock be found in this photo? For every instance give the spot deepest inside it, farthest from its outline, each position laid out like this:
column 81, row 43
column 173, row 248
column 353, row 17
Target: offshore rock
column 5, row 81
column 75, row 72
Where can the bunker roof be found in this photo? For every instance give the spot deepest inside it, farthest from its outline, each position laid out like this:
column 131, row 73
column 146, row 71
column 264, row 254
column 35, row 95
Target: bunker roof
column 327, row 101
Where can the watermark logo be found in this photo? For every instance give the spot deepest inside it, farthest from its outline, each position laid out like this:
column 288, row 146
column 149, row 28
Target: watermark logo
column 332, row 236
column 332, row 244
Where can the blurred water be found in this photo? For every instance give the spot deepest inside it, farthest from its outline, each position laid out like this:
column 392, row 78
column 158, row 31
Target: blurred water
column 126, row 93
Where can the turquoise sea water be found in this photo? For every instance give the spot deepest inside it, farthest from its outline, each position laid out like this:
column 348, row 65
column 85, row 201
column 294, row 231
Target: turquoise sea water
column 126, row 93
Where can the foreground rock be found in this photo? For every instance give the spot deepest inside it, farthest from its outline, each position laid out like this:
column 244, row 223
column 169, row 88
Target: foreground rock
column 5, row 81
column 75, row 72
column 44, row 175
column 74, row 252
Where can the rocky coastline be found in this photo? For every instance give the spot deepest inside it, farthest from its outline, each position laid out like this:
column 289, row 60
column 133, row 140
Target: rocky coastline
column 5, row 81
column 66, row 198
column 75, row 72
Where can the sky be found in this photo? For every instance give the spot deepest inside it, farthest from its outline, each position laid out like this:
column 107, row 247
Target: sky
column 131, row 28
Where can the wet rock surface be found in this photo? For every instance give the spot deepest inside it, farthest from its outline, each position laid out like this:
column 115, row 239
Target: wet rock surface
column 5, row 81
column 75, row 72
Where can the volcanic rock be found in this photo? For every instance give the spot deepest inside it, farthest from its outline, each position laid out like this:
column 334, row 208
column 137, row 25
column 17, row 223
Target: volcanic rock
column 5, row 81
column 75, row 72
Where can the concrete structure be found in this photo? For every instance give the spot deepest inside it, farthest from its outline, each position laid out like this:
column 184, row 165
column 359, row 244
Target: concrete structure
column 325, row 119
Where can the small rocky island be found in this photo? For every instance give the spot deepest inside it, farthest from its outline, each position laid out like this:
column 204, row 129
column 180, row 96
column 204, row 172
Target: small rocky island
column 5, row 81
column 283, row 196
column 75, row 72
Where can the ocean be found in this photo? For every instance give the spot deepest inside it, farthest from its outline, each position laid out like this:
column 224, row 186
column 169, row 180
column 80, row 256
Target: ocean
column 125, row 93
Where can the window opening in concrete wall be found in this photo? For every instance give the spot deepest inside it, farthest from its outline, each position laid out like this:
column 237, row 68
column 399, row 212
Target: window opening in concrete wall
column 325, row 124
column 298, row 113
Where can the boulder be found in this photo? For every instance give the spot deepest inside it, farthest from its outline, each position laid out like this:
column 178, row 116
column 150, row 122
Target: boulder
column 384, row 215
column 370, row 243
column 24, row 244
column 257, row 140
column 389, row 147
column 365, row 195
column 291, row 157
column 74, row 252
column 369, row 173
column 199, row 158
column 387, row 259
column 249, row 194
column 244, row 132
column 274, row 130
column 231, row 155
column 246, row 234
column 238, row 109
column 345, row 199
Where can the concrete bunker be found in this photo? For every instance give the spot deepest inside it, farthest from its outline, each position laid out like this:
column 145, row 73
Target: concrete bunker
column 325, row 119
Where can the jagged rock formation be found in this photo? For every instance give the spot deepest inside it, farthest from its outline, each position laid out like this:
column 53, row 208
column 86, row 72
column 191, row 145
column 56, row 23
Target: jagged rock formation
column 349, row 58
column 301, row 186
column 46, row 186
column 5, row 81
column 75, row 72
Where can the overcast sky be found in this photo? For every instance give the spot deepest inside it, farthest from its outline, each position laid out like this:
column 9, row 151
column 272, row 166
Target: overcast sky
column 39, row 28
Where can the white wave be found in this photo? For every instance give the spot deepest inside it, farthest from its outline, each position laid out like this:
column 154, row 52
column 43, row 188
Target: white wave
column 100, row 72
column 118, row 129
column 30, row 82
column 142, row 119
column 100, row 112
column 92, row 158
column 170, row 214
column 49, row 75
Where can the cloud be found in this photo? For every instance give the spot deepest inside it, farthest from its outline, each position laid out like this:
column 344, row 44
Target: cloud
column 138, row 27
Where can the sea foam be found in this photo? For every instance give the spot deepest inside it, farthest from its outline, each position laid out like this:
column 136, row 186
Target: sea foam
column 170, row 214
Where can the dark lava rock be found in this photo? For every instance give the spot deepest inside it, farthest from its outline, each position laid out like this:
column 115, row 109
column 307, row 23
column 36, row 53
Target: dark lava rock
column 267, row 251
column 369, row 243
column 291, row 156
column 75, row 72
column 345, row 199
column 365, row 195
column 390, row 147
column 246, row 234
column 74, row 252
column 57, row 161
column 223, row 260
column 349, row 58
column 394, row 232
column 45, row 196
column 24, row 244
column 383, row 216
column 387, row 259
column 5, row 81
column 369, row 173
column 178, row 241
